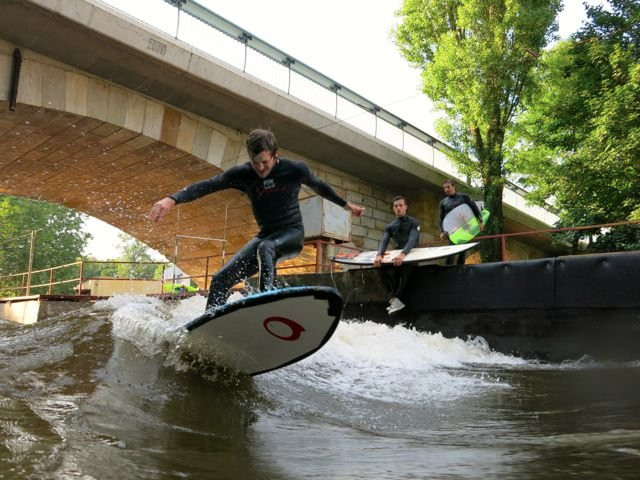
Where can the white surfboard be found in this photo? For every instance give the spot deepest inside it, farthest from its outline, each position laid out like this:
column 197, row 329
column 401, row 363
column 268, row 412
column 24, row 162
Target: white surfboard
column 421, row 254
column 269, row 330
column 461, row 225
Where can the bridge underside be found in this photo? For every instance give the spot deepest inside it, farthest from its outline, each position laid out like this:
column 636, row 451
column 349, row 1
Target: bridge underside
column 115, row 175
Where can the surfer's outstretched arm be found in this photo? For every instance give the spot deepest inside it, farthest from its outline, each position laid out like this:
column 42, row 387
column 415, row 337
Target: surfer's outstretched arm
column 161, row 208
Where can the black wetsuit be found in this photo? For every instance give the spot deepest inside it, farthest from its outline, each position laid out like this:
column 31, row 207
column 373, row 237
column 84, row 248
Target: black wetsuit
column 405, row 232
column 450, row 202
column 274, row 200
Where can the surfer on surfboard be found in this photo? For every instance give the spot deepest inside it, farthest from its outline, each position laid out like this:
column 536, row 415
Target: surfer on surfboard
column 451, row 201
column 405, row 231
column 272, row 184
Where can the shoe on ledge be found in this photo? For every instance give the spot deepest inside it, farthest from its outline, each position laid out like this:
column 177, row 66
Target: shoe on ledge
column 395, row 305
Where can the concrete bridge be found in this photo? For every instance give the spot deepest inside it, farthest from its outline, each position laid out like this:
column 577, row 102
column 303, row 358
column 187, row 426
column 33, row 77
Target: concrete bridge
column 104, row 114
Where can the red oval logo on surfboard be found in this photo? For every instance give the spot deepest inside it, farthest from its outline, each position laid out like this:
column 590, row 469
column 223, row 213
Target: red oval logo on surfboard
column 295, row 328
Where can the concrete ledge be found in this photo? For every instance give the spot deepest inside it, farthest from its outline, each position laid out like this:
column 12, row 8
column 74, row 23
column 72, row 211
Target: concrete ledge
column 31, row 309
column 23, row 310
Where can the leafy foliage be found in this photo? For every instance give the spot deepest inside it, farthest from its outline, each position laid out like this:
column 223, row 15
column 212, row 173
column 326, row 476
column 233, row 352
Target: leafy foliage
column 135, row 254
column 476, row 57
column 100, row 268
column 579, row 141
column 59, row 239
column 626, row 237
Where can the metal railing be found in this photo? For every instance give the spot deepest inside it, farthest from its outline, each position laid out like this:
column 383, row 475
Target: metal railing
column 324, row 250
column 23, row 281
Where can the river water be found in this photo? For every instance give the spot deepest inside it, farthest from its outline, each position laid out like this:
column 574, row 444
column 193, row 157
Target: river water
column 108, row 392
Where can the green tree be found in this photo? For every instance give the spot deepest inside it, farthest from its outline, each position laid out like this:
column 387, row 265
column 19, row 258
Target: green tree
column 131, row 251
column 578, row 144
column 59, row 238
column 476, row 57
column 97, row 269
column 135, row 251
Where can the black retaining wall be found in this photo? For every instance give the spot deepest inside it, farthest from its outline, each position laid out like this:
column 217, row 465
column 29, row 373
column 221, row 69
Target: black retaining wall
column 553, row 309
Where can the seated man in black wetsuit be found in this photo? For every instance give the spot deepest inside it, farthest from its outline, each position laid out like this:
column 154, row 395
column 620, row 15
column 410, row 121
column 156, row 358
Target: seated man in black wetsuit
column 272, row 184
column 451, row 201
column 404, row 231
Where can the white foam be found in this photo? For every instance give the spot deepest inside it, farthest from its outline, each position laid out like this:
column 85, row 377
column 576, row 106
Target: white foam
column 187, row 309
column 397, row 364
column 401, row 347
column 150, row 323
column 365, row 359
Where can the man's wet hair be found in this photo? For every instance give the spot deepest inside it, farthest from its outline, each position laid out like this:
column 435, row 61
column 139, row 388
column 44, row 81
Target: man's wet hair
column 450, row 182
column 400, row 197
column 260, row 140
